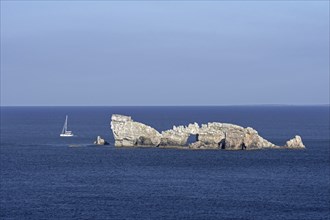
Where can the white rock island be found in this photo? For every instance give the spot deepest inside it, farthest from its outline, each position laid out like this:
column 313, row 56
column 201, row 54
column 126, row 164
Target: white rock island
column 215, row 135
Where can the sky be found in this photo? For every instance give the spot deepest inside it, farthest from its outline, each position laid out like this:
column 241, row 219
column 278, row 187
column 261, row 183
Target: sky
column 136, row 53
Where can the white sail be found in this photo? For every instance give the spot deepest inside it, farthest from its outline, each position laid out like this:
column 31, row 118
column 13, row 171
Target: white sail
column 65, row 132
column 65, row 126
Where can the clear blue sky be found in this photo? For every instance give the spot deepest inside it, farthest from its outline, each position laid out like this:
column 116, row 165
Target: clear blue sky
column 164, row 53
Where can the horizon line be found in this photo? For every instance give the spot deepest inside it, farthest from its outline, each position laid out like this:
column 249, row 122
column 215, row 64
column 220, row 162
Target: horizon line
column 224, row 105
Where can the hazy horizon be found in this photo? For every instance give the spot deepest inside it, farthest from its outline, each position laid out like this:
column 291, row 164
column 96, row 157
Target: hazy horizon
column 231, row 105
column 167, row 53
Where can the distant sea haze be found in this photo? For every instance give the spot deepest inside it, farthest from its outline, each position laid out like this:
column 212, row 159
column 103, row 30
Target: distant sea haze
column 44, row 176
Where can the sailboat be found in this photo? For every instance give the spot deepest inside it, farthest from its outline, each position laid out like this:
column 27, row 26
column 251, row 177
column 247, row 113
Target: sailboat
column 65, row 132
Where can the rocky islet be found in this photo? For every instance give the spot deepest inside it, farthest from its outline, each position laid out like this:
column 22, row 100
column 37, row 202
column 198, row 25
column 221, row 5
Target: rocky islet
column 213, row 135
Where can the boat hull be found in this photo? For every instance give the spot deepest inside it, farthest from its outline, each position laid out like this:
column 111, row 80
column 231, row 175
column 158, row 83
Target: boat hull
column 66, row 135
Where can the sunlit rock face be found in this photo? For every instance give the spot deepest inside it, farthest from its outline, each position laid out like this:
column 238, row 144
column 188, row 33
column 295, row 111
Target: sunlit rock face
column 230, row 137
column 100, row 141
column 295, row 142
column 214, row 135
column 128, row 133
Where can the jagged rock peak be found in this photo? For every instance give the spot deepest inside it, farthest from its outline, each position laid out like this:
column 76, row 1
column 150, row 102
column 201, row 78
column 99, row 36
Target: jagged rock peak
column 295, row 142
column 120, row 118
column 100, row 141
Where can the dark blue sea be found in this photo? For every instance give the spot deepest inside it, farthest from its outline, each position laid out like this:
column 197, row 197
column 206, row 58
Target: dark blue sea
column 44, row 176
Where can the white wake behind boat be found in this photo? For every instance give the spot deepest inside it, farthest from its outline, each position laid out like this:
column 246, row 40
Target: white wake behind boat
column 65, row 132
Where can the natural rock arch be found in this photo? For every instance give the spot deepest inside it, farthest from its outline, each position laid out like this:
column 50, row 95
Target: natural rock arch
column 215, row 135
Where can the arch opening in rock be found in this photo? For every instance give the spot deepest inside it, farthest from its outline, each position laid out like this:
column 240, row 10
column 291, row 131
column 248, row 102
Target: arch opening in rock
column 222, row 144
column 192, row 139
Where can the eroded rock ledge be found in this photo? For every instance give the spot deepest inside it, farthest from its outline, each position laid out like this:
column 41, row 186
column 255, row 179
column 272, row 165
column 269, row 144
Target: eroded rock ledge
column 128, row 133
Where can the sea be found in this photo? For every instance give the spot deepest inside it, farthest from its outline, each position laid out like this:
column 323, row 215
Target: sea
column 45, row 176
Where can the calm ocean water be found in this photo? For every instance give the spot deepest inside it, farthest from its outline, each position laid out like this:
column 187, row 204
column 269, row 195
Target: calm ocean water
column 44, row 176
